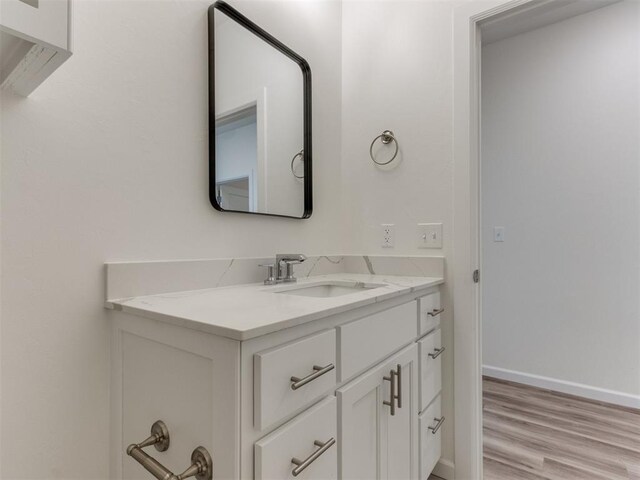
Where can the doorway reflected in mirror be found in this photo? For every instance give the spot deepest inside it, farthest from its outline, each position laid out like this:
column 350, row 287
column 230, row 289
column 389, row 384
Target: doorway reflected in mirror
column 237, row 144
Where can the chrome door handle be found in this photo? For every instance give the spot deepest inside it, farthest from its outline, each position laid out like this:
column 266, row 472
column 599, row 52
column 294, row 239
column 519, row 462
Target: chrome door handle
column 302, row 464
column 201, row 463
column 399, row 392
column 391, row 402
column 395, row 397
column 296, row 382
column 437, row 352
column 435, row 312
column 437, row 426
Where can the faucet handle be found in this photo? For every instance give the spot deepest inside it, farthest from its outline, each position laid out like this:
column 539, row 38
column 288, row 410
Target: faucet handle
column 271, row 279
column 286, row 270
column 284, row 264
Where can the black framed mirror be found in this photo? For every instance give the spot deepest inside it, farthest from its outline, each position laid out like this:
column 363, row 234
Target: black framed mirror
column 259, row 120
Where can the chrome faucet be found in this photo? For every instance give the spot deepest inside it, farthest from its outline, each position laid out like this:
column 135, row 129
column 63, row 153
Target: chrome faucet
column 284, row 266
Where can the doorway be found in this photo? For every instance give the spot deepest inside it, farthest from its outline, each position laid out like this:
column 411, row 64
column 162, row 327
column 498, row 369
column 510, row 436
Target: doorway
column 468, row 20
column 237, row 144
column 559, row 178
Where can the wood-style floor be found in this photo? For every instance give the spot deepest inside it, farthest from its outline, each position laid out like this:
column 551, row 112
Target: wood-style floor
column 533, row 434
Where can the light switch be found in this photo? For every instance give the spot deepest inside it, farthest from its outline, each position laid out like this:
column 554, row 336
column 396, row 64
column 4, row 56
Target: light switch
column 498, row 234
column 429, row 235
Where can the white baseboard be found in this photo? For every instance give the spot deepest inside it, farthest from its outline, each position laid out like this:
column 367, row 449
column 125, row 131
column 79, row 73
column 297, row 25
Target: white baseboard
column 562, row 386
column 444, row 469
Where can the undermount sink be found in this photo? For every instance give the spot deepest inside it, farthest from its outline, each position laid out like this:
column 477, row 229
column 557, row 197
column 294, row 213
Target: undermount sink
column 329, row 289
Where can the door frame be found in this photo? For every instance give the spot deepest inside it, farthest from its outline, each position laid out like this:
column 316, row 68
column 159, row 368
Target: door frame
column 467, row 45
column 468, row 18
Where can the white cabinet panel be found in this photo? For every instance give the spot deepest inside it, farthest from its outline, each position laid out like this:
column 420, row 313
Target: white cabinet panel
column 156, row 388
column 430, row 367
column 273, row 454
column 273, row 396
column 364, row 342
column 187, row 379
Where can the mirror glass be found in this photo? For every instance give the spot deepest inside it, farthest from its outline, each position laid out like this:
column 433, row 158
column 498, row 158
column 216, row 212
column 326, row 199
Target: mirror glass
column 260, row 135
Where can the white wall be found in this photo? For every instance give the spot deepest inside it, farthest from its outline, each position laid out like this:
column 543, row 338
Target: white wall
column 561, row 171
column 397, row 75
column 106, row 161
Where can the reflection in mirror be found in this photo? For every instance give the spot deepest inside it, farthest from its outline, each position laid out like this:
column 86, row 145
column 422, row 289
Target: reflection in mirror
column 237, row 151
column 261, row 111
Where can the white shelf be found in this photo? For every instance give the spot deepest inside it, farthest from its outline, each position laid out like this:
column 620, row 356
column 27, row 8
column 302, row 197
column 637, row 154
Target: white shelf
column 35, row 39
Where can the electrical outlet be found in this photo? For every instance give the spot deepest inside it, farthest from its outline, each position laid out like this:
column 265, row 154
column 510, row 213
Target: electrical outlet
column 429, row 235
column 388, row 235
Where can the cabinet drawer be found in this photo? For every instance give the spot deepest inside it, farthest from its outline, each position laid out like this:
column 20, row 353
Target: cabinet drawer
column 364, row 342
column 430, row 367
column 275, row 394
column 431, row 423
column 429, row 310
column 310, row 437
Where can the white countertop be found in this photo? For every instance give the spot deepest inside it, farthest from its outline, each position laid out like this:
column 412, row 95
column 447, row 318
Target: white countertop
column 242, row 312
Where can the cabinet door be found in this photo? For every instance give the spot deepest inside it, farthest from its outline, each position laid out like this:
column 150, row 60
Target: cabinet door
column 359, row 426
column 402, row 429
column 375, row 445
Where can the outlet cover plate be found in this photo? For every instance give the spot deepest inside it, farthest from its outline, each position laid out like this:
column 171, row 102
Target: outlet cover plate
column 429, row 235
column 387, row 235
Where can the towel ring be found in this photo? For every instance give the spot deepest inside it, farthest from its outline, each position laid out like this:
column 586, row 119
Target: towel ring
column 301, row 155
column 385, row 137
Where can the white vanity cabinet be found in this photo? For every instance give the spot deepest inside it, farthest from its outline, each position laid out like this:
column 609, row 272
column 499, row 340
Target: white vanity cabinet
column 35, row 39
column 348, row 396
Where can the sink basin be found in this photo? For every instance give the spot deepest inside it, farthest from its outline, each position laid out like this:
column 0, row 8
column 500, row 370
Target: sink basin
column 329, row 289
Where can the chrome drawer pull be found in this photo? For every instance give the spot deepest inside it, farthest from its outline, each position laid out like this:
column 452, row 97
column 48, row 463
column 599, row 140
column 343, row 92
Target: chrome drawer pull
column 435, row 429
column 302, row 464
column 201, row 463
column 437, row 352
column 395, row 397
column 435, row 312
column 296, row 382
